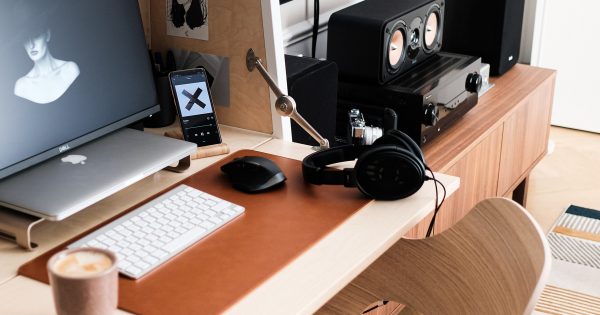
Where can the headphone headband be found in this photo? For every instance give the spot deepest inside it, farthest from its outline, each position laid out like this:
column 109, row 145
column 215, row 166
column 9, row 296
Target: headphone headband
column 315, row 171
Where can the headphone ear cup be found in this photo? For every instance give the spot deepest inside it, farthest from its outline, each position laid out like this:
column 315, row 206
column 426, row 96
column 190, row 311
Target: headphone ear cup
column 397, row 137
column 389, row 172
column 387, row 139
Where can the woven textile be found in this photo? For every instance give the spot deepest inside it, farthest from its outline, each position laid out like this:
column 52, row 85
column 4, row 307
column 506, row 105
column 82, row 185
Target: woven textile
column 574, row 283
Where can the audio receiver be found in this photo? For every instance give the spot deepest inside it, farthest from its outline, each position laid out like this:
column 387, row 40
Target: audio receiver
column 427, row 99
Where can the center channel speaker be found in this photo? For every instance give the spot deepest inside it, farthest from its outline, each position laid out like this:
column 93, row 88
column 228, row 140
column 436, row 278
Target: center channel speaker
column 374, row 41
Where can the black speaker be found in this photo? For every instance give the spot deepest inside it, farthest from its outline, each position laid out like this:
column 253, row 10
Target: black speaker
column 313, row 85
column 488, row 29
column 374, row 41
column 166, row 115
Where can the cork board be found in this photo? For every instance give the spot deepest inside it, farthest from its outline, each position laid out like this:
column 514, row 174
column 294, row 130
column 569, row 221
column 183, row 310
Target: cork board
column 234, row 27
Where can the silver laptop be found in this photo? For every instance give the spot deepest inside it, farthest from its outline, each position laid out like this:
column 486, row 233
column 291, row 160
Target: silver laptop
column 70, row 182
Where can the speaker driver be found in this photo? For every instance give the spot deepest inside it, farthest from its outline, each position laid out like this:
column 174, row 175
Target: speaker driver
column 415, row 38
column 432, row 29
column 396, row 48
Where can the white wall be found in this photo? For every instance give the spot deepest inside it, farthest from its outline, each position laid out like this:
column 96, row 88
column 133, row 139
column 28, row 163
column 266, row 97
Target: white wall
column 567, row 41
column 527, row 33
column 297, row 23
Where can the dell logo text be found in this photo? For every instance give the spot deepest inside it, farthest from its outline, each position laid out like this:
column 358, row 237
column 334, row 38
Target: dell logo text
column 63, row 148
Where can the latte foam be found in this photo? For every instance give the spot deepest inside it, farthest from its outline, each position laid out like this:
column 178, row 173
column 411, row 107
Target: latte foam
column 82, row 264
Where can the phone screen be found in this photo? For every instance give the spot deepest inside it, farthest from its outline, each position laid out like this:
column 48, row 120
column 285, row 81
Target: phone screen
column 194, row 104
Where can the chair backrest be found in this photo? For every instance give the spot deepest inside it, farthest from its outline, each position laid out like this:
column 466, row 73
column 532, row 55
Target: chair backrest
column 494, row 261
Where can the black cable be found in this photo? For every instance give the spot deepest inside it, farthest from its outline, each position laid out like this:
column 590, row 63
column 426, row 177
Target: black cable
column 315, row 30
column 430, row 230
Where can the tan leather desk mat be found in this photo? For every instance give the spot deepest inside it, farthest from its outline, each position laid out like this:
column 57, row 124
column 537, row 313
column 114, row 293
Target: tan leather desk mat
column 214, row 273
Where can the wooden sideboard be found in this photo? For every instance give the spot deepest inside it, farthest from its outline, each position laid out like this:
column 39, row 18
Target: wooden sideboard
column 495, row 145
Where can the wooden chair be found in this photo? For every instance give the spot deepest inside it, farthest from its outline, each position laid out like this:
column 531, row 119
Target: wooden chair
column 493, row 261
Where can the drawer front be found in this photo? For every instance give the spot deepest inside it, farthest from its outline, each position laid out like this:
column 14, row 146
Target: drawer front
column 525, row 137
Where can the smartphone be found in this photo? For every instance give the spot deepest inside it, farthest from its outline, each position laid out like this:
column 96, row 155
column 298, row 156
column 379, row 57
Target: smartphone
column 194, row 105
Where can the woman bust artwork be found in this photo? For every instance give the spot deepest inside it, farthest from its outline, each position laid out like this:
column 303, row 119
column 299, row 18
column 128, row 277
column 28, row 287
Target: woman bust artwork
column 49, row 78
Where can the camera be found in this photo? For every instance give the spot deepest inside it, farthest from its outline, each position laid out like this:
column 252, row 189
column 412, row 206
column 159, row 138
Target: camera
column 359, row 133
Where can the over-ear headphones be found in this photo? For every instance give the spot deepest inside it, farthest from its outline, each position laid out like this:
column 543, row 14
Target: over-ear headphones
column 392, row 168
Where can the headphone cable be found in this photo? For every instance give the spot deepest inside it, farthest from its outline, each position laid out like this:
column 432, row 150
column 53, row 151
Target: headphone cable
column 430, row 229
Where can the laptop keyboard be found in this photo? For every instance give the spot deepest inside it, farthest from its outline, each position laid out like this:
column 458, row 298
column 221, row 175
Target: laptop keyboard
column 160, row 229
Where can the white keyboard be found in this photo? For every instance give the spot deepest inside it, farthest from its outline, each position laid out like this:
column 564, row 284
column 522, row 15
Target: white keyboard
column 158, row 230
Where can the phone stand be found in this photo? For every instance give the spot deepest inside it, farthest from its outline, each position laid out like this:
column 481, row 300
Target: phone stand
column 201, row 152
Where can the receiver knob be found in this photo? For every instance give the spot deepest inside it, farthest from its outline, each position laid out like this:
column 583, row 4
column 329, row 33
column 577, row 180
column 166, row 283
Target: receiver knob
column 473, row 83
column 431, row 112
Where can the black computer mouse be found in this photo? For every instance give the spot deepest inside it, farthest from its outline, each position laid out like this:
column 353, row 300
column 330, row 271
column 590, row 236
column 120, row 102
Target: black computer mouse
column 253, row 174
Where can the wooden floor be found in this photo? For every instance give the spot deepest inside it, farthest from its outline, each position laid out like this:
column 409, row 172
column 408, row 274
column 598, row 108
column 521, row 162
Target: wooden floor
column 568, row 175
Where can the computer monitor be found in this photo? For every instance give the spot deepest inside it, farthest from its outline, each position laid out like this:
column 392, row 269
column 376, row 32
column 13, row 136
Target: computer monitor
column 71, row 71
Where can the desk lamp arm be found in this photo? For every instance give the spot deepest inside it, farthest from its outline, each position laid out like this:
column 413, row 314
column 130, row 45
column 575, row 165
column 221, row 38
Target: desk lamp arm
column 285, row 104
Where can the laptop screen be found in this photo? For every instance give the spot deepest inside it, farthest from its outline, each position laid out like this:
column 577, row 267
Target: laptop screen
column 70, row 71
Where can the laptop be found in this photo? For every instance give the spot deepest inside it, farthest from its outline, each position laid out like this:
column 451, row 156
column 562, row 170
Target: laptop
column 68, row 183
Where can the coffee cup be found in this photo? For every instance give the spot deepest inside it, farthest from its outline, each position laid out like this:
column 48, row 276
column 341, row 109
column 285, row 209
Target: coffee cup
column 84, row 281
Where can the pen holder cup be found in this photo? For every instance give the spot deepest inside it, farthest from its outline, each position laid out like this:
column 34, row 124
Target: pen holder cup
column 166, row 115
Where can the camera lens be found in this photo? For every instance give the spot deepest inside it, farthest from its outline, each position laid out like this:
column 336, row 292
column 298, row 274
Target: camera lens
column 372, row 134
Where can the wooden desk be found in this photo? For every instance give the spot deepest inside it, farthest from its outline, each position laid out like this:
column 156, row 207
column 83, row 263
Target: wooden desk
column 301, row 287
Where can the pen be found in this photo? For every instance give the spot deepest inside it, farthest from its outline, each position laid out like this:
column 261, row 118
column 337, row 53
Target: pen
column 155, row 70
column 159, row 62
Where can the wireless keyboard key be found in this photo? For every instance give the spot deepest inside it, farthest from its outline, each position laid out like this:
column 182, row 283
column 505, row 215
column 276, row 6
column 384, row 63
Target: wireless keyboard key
column 153, row 233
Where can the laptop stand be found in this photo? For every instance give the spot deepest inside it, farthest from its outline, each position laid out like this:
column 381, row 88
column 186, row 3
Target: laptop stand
column 16, row 227
column 183, row 165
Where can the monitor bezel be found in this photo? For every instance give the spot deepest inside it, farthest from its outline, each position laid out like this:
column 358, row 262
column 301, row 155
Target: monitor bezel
column 74, row 143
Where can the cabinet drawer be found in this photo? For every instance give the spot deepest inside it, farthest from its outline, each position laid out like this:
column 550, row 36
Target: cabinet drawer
column 525, row 138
